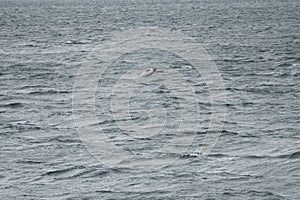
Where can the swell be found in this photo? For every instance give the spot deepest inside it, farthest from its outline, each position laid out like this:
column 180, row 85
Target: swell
column 294, row 155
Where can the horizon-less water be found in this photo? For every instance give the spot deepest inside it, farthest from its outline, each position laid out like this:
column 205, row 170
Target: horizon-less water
column 254, row 45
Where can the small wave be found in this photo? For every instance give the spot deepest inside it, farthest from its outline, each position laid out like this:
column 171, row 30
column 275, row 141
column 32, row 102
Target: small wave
column 58, row 172
column 263, row 194
column 225, row 132
column 50, row 92
column 64, row 139
column 294, row 155
column 269, row 84
column 284, row 65
column 13, row 105
column 190, row 155
column 32, row 86
column 76, row 42
column 218, row 155
column 255, row 157
column 230, row 122
column 43, row 75
column 65, row 174
column 81, row 172
column 31, row 162
column 23, row 125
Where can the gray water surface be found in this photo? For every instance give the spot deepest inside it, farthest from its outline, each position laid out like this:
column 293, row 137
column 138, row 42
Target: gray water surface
column 255, row 45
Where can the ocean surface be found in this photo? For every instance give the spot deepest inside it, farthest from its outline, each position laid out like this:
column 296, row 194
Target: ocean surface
column 46, row 45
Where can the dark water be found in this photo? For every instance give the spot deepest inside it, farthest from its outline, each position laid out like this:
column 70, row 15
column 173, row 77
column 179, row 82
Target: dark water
column 255, row 45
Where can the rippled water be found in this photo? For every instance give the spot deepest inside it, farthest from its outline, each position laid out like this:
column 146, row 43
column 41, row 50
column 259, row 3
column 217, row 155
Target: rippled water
column 255, row 45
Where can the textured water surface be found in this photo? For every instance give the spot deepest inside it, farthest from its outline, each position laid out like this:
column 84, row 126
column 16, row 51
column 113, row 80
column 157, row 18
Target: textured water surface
column 255, row 45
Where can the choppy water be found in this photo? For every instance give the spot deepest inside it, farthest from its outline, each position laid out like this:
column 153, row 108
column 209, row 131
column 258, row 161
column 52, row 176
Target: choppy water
column 255, row 45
